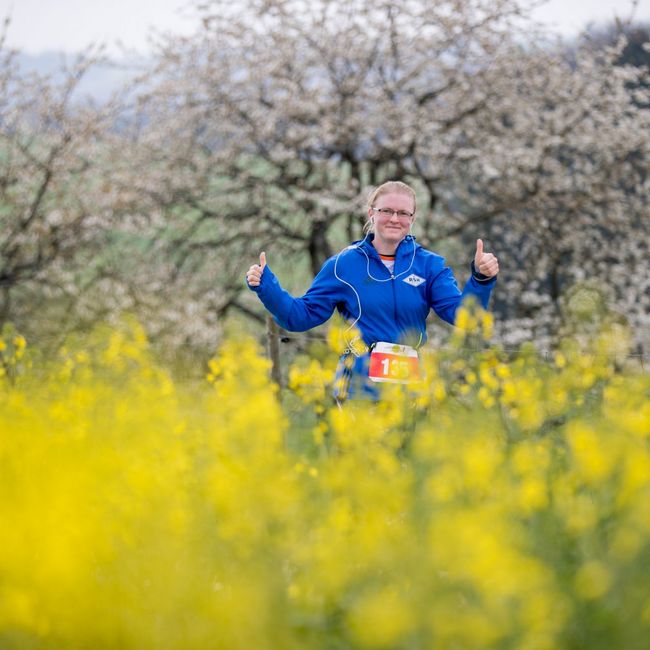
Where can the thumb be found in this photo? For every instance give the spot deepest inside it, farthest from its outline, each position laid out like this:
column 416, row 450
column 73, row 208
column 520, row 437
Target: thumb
column 262, row 260
column 479, row 249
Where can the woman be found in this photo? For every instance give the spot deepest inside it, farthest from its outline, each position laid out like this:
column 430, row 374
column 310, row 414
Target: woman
column 384, row 285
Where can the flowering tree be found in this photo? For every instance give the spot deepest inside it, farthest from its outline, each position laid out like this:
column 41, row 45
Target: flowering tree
column 52, row 226
column 268, row 126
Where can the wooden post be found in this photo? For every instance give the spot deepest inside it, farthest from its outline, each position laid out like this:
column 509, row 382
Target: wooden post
column 274, row 349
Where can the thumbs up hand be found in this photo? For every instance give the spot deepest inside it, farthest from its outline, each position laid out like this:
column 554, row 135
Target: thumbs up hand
column 485, row 263
column 254, row 273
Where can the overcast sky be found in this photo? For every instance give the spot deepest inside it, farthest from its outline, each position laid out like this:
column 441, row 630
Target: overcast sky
column 69, row 25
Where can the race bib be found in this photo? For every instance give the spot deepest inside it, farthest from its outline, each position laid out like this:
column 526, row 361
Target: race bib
column 394, row 363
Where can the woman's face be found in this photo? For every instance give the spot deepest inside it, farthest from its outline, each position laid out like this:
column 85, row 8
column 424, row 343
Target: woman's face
column 391, row 229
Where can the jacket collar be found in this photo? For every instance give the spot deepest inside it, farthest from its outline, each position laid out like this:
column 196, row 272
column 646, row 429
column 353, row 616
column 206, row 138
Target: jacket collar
column 405, row 247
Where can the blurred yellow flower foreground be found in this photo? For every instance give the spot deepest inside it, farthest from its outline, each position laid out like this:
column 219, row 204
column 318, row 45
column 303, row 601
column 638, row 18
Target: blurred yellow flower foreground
column 501, row 504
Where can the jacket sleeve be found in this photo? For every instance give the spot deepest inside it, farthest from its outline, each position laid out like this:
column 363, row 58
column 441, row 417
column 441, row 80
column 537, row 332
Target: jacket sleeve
column 300, row 314
column 445, row 297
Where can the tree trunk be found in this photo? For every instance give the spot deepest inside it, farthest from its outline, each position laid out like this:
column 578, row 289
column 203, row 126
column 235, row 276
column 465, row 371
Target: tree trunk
column 319, row 248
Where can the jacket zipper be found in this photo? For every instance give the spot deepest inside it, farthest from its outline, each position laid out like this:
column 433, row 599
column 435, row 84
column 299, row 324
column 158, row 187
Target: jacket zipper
column 392, row 283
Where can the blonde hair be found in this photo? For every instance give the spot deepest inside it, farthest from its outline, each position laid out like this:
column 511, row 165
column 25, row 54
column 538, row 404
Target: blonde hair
column 386, row 188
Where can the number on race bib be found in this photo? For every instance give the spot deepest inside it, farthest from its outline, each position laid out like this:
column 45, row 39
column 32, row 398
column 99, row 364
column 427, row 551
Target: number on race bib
column 393, row 363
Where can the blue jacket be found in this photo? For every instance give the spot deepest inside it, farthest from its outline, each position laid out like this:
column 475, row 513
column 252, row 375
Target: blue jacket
column 384, row 306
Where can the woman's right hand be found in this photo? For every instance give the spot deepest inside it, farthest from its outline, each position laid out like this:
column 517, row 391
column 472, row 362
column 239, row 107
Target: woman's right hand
column 254, row 274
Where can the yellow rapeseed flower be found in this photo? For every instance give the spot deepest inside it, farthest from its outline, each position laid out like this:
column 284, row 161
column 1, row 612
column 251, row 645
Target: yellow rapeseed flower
column 593, row 580
column 499, row 506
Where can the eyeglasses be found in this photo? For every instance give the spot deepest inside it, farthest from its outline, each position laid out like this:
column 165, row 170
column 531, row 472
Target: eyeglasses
column 388, row 213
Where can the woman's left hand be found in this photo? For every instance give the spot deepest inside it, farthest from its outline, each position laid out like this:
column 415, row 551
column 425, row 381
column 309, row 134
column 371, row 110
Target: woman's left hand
column 485, row 263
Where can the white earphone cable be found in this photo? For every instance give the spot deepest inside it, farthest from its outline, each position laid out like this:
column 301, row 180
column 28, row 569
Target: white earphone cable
column 392, row 277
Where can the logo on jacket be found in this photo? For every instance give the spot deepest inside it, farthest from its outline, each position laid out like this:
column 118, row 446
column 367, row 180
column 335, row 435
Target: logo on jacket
column 414, row 280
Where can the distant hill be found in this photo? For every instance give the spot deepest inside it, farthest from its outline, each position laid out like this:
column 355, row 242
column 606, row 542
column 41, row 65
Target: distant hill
column 100, row 82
